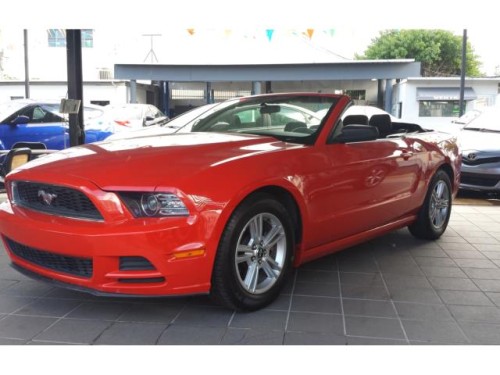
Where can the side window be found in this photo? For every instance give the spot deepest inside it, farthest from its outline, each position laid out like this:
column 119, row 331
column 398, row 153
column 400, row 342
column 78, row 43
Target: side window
column 249, row 117
column 38, row 115
column 45, row 115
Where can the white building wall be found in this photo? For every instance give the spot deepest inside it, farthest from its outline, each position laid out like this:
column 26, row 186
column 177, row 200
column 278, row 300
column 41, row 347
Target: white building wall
column 114, row 92
column 49, row 63
column 405, row 94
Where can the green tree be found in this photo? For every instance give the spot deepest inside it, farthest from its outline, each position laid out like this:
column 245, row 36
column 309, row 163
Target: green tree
column 438, row 51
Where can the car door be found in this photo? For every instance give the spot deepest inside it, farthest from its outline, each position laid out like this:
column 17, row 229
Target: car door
column 42, row 126
column 366, row 185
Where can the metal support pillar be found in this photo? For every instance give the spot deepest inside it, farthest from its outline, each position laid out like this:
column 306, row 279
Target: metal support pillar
column 133, row 91
column 462, row 74
column 388, row 95
column 165, row 98
column 269, row 88
column 256, row 88
column 75, row 85
column 26, row 67
column 210, row 98
column 380, row 94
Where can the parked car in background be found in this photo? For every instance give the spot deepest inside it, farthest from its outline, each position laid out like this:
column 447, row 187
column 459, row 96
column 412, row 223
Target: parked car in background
column 122, row 117
column 230, row 206
column 26, row 120
column 167, row 127
column 480, row 143
column 467, row 117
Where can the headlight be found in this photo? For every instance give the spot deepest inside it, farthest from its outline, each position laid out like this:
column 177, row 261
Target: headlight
column 154, row 204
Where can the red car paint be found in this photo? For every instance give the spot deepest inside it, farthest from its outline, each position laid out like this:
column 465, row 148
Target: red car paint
column 346, row 193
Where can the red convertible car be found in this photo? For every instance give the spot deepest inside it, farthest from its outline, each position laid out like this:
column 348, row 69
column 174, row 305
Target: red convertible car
column 258, row 185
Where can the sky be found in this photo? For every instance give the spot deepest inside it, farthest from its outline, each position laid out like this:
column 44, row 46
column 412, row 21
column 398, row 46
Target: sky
column 355, row 23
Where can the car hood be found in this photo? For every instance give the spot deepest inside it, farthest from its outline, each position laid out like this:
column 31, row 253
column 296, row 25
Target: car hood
column 148, row 161
column 482, row 141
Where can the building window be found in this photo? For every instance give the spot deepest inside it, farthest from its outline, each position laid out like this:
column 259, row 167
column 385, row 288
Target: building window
column 87, row 38
column 435, row 108
column 356, row 94
column 57, row 38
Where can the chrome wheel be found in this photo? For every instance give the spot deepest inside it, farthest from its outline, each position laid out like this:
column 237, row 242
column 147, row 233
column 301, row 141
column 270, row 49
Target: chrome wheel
column 434, row 214
column 260, row 253
column 439, row 205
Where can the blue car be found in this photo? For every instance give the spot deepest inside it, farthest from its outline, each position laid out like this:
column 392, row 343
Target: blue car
column 27, row 120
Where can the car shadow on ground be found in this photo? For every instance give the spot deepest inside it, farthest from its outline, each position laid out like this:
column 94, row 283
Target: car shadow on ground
column 465, row 197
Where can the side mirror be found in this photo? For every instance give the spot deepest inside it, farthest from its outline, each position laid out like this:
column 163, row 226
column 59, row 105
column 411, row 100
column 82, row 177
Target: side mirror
column 357, row 133
column 147, row 121
column 20, row 120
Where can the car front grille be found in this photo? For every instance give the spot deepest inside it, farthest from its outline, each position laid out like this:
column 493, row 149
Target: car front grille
column 480, row 161
column 55, row 200
column 81, row 267
column 479, row 180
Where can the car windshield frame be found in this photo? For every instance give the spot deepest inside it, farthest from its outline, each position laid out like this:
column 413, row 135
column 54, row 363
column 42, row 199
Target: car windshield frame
column 265, row 115
column 184, row 119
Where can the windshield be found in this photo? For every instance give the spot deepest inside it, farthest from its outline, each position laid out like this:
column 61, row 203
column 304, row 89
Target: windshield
column 488, row 120
column 184, row 119
column 293, row 118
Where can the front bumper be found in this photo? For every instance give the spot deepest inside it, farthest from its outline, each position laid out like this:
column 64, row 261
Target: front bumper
column 174, row 259
column 483, row 177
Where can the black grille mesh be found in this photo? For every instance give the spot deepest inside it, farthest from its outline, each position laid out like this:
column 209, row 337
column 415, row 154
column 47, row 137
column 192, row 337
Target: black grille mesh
column 479, row 180
column 480, row 161
column 135, row 264
column 64, row 201
column 62, row 263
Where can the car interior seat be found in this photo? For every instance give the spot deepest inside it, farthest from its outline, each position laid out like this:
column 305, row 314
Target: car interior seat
column 236, row 122
column 13, row 159
column 383, row 123
column 356, row 119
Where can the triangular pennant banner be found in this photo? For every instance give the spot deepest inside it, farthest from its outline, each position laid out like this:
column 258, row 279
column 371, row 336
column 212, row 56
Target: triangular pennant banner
column 269, row 33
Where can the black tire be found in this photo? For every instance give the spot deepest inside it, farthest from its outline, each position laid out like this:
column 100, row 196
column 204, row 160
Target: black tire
column 435, row 213
column 254, row 255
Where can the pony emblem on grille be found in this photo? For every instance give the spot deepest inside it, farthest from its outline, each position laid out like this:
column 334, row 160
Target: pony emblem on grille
column 47, row 198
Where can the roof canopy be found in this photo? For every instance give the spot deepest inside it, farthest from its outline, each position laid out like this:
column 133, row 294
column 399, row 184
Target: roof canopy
column 352, row 70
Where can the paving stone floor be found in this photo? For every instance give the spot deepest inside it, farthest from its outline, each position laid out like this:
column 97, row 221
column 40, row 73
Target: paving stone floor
column 394, row 290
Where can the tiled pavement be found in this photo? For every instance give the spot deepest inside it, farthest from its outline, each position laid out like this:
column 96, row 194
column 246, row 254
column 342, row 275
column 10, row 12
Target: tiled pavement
column 394, row 290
